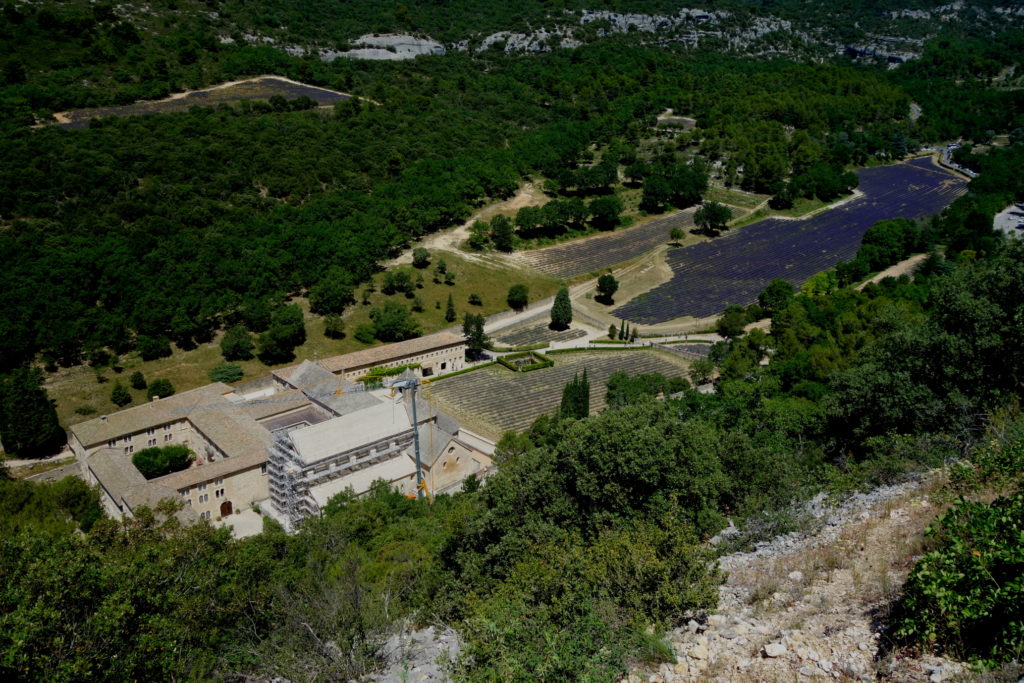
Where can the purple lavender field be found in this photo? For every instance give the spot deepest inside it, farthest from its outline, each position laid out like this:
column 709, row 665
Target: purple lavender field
column 736, row 267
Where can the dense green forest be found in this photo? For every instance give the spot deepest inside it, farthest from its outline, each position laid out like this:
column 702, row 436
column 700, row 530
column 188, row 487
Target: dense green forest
column 222, row 211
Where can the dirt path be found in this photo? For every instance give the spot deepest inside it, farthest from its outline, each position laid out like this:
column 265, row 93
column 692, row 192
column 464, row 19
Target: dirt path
column 452, row 239
column 902, row 268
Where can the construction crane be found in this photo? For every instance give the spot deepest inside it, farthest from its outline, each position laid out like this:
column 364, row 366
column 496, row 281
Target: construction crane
column 411, row 383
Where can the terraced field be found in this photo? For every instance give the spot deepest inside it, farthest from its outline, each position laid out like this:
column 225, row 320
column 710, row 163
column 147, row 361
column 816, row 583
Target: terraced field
column 494, row 400
column 606, row 250
column 262, row 88
column 736, row 267
column 535, row 333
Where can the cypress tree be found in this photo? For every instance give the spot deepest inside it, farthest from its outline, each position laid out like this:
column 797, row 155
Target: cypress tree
column 622, row 330
column 561, row 310
column 449, row 311
column 583, row 392
column 576, row 398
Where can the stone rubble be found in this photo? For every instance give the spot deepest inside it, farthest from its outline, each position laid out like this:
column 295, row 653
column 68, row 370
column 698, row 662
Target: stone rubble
column 418, row 655
column 811, row 607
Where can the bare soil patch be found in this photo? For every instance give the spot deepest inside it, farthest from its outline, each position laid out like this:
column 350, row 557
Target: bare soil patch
column 905, row 267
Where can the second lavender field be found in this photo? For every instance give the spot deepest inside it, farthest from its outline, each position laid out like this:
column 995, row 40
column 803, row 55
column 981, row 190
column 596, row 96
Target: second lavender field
column 736, row 267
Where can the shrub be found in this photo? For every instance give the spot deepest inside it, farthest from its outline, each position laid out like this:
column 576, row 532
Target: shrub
column 366, row 333
column 156, row 462
column 137, row 380
column 160, row 387
column 967, row 597
column 334, row 326
column 420, row 257
column 120, row 396
column 518, row 297
column 475, row 300
column 227, row 373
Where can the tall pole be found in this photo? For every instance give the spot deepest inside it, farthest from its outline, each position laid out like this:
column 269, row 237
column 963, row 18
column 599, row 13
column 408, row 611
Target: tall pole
column 416, row 441
column 412, row 383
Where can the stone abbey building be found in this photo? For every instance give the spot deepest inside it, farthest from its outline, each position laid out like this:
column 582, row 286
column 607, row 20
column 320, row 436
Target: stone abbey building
column 289, row 441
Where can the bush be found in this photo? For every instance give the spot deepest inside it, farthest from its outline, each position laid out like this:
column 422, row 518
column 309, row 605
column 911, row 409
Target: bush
column 366, row 333
column 137, row 380
column 518, row 297
column 227, row 373
column 120, row 396
column 334, row 326
column 156, row 462
column 420, row 257
column 160, row 387
column 967, row 597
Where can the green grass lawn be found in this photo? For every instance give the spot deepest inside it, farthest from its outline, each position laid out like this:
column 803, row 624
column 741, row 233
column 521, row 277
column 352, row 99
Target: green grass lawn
column 76, row 387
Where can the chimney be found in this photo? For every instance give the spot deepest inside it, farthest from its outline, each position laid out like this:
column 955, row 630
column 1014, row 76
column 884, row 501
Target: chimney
column 155, row 399
column 103, row 418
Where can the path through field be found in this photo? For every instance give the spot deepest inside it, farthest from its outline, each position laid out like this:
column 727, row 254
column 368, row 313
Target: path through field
column 452, row 239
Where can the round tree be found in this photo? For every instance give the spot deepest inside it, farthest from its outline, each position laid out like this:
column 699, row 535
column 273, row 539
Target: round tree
column 607, row 285
column 120, row 396
column 518, row 297
column 712, row 217
column 160, row 388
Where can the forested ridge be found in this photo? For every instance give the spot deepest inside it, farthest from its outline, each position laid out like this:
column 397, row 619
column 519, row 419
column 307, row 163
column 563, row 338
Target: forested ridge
column 216, row 211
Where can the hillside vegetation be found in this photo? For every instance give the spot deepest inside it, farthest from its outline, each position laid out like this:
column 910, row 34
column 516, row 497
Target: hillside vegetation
column 588, row 545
